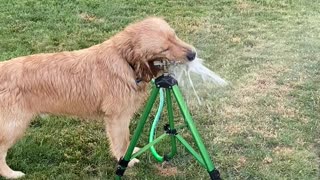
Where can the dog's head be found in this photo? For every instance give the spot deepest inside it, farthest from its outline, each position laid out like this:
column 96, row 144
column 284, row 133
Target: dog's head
column 149, row 40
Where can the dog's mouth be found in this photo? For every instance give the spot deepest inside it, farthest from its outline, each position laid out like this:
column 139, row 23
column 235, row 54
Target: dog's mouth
column 157, row 67
column 163, row 63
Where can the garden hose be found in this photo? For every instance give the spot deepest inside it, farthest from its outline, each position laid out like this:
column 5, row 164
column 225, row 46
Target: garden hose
column 154, row 127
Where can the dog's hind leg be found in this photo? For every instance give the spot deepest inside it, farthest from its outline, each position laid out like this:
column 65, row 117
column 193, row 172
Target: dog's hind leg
column 12, row 127
column 118, row 132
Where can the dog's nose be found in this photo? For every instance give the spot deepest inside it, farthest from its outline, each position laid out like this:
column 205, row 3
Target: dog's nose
column 191, row 55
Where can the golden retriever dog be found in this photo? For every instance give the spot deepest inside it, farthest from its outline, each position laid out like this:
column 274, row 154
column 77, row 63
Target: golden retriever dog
column 108, row 81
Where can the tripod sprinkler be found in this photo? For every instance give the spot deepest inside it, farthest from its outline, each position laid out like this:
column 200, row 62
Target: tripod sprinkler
column 165, row 86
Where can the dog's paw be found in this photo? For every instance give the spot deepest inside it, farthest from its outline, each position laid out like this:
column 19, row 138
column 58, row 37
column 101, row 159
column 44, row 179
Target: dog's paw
column 14, row 175
column 133, row 162
column 44, row 116
column 136, row 149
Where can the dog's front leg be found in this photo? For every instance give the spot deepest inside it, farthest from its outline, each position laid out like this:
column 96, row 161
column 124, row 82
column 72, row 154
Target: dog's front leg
column 117, row 129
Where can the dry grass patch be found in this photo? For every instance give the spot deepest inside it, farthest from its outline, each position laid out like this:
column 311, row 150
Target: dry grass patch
column 236, row 39
column 241, row 162
column 234, row 128
column 267, row 160
column 166, row 171
column 243, row 5
column 265, row 130
column 256, row 99
column 259, row 85
column 283, row 151
column 90, row 18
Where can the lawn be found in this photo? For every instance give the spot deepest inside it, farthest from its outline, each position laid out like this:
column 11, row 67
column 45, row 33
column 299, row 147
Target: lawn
column 265, row 125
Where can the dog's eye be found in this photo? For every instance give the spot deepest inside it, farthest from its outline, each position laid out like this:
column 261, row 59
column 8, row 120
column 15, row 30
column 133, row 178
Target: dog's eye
column 164, row 50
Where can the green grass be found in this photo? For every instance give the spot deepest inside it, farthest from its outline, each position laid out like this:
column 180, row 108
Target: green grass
column 265, row 126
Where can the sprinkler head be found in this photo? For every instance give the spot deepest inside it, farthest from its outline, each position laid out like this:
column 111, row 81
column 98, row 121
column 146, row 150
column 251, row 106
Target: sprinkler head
column 165, row 65
column 162, row 64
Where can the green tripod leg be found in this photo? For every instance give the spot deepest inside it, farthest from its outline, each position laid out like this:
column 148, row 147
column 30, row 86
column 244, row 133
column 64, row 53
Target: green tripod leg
column 171, row 125
column 214, row 174
column 123, row 163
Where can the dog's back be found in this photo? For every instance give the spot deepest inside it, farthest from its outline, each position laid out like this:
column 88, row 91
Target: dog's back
column 50, row 83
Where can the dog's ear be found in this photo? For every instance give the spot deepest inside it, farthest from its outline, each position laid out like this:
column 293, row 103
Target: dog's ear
column 146, row 71
column 143, row 71
column 154, row 69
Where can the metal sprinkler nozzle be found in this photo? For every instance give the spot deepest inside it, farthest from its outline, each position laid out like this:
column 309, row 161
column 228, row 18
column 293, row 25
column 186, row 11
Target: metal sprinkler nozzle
column 162, row 64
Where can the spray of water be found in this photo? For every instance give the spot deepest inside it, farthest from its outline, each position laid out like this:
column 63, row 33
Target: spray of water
column 184, row 73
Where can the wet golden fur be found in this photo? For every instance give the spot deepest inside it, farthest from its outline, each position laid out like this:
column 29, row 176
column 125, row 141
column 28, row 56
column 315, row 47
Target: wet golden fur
column 99, row 81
